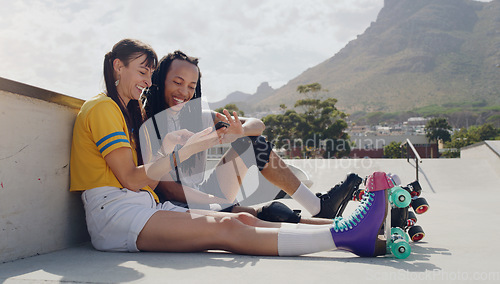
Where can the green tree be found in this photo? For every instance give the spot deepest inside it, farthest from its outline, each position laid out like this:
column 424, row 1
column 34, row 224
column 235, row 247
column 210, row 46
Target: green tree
column 312, row 89
column 231, row 108
column 320, row 126
column 281, row 129
column 438, row 128
column 465, row 137
column 393, row 150
column 487, row 132
column 459, row 139
column 494, row 119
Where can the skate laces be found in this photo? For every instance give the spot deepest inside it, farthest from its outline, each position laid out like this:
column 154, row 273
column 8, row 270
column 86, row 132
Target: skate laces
column 343, row 224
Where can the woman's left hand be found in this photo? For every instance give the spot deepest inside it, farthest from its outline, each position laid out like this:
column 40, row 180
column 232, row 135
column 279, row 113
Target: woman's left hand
column 235, row 129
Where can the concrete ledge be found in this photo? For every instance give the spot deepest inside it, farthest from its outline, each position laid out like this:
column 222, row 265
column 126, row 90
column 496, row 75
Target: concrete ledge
column 39, row 93
column 38, row 214
column 490, row 145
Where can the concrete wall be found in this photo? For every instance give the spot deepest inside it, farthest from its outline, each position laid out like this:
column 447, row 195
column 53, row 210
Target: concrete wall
column 38, row 214
column 484, row 152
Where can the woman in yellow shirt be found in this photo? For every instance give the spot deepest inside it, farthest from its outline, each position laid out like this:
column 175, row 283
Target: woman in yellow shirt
column 122, row 212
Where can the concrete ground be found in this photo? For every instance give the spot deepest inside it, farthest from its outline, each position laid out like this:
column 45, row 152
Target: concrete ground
column 461, row 242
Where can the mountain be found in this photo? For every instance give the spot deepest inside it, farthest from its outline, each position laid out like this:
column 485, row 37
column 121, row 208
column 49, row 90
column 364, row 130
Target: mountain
column 234, row 97
column 417, row 53
column 245, row 101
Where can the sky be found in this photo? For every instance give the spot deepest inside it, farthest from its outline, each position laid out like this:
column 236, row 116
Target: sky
column 59, row 45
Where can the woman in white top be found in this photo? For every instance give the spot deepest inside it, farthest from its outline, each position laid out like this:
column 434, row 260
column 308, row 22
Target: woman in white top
column 126, row 216
column 174, row 102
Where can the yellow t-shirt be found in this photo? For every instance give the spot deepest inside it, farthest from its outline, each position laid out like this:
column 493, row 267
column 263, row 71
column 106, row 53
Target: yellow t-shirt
column 99, row 129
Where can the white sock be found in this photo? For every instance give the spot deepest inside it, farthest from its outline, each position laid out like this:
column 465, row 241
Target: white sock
column 293, row 242
column 308, row 199
column 304, row 226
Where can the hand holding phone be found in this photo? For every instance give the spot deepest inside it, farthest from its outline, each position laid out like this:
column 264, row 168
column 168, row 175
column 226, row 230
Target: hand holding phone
column 221, row 124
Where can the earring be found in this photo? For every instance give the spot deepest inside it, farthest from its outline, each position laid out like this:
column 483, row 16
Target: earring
column 117, row 82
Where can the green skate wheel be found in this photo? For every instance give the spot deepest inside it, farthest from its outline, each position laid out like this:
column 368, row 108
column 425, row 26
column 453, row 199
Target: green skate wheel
column 401, row 198
column 400, row 249
column 391, row 193
column 399, row 232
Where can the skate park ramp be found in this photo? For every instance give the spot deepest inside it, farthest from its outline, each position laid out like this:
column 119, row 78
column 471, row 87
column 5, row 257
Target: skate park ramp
column 460, row 241
column 42, row 238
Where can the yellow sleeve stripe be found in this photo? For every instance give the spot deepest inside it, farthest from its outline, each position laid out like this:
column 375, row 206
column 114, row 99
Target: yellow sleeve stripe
column 112, row 142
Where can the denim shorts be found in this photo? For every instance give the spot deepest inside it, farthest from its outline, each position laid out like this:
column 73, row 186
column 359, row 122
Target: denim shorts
column 116, row 216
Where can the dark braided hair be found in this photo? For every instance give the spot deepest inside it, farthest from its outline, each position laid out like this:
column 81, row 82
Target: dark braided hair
column 154, row 99
column 127, row 50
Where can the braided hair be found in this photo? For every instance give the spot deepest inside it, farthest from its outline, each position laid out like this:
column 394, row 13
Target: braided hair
column 154, row 99
column 154, row 102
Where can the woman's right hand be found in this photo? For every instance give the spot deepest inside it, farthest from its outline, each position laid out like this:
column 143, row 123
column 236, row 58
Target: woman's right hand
column 202, row 140
column 175, row 137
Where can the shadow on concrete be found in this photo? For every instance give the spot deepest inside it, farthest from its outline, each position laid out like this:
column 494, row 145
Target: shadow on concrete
column 84, row 264
column 422, row 173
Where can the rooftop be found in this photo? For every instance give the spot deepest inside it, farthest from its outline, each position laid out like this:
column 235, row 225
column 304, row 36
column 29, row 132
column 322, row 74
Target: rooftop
column 38, row 216
column 460, row 241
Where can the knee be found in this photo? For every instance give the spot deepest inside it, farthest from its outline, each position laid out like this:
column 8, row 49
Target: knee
column 243, row 209
column 261, row 147
column 247, row 218
column 232, row 224
column 238, row 220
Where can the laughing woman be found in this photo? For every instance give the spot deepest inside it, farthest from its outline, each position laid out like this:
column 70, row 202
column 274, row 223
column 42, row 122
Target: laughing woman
column 122, row 212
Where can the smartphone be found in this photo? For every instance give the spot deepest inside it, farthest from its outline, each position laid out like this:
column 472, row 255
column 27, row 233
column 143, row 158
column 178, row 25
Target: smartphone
column 221, row 124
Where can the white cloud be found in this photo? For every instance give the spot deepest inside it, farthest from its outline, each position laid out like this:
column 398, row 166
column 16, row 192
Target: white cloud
column 60, row 45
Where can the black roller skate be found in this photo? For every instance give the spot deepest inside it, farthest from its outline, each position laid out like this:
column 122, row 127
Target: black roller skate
column 404, row 218
column 419, row 204
column 334, row 202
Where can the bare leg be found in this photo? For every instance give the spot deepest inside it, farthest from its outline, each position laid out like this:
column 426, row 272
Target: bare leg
column 247, row 209
column 230, row 172
column 278, row 173
column 181, row 232
column 253, row 211
column 316, row 221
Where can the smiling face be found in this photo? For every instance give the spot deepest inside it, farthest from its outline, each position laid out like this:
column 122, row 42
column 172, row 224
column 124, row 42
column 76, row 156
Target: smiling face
column 180, row 83
column 134, row 78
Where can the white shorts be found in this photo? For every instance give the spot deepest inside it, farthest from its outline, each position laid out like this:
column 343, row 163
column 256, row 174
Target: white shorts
column 115, row 216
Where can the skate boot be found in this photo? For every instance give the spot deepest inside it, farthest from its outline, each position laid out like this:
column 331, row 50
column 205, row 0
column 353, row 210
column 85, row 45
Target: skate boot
column 419, row 204
column 335, row 200
column 359, row 232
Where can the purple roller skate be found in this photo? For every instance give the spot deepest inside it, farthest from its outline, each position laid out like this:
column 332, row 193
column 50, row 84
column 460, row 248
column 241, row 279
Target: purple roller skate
column 358, row 233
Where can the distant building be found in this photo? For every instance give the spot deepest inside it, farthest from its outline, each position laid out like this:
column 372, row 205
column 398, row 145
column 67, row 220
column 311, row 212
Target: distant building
column 372, row 146
column 416, row 121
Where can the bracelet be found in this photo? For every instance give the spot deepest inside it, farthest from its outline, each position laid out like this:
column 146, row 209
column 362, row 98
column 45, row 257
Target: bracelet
column 172, row 162
column 176, row 157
